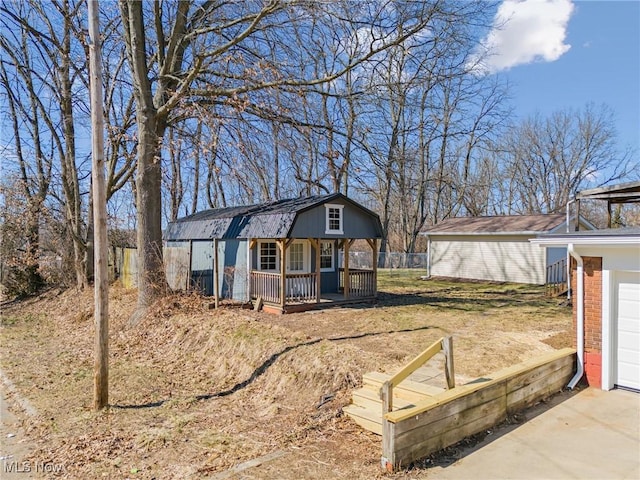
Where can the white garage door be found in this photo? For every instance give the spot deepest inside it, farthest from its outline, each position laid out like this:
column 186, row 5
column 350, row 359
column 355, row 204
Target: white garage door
column 628, row 335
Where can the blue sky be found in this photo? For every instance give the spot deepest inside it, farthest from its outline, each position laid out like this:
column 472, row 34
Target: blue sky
column 561, row 54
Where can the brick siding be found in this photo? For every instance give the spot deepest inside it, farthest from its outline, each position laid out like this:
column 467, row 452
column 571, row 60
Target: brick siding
column 592, row 316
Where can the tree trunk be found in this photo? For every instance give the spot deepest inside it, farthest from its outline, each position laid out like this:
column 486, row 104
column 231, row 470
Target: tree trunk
column 151, row 129
column 34, row 279
column 151, row 277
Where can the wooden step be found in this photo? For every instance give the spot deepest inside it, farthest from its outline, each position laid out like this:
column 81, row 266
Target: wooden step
column 368, row 398
column 367, row 418
column 366, row 406
column 408, row 389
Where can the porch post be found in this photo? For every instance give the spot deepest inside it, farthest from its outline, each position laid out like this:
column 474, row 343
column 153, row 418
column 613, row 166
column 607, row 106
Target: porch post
column 374, row 247
column 283, row 272
column 316, row 244
column 216, row 282
column 347, row 280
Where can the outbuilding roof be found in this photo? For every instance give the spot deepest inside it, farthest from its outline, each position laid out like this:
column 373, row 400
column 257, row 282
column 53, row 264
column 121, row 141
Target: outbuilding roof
column 622, row 193
column 504, row 224
column 266, row 220
column 607, row 236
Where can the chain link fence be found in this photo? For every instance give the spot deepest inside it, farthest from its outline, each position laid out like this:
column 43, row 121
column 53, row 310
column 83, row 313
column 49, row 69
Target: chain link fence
column 391, row 262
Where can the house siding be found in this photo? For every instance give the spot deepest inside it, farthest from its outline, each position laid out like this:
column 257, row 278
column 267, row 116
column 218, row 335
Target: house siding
column 499, row 258
column 357, row 223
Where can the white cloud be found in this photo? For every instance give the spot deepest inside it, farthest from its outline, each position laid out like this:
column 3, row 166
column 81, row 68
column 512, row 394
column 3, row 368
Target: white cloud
column 525, row 31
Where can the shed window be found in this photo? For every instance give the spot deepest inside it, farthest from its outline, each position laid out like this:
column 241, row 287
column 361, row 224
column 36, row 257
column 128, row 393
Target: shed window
column 268, row 256
column 334, row 219
column 326, row 256
column 296, row 257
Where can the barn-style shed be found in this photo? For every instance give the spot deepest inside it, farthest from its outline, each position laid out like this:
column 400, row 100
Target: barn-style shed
column 282, row 254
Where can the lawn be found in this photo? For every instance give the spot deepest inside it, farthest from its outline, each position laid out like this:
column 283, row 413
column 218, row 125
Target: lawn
column 195, row 392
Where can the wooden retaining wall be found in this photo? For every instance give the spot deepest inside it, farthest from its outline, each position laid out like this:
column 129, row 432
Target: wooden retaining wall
column 450, row 416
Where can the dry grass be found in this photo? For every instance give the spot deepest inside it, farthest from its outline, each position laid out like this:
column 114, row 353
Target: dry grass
column 194, row 391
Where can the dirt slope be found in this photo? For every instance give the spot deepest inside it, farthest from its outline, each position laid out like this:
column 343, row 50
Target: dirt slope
column 194, row 392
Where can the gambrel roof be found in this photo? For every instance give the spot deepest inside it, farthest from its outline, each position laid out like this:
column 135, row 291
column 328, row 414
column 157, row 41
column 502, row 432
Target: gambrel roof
column 267, row 220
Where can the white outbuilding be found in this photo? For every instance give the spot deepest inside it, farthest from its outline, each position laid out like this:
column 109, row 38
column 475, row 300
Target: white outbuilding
column 497, row 248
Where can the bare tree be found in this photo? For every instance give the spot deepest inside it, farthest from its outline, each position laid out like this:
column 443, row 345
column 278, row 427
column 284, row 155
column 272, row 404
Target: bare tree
column 547, row 160
column 431, row 119
column 34, row 165
column 39, row 43
column 223, row 53
column 46, row 45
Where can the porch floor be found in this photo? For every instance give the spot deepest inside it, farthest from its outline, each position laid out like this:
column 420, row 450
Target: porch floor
column 327, row 300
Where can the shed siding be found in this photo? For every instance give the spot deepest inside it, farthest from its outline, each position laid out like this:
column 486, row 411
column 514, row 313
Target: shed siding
column 356, row 223
column 494, row 258
column 233, row 271
column 176, row 264
column 202, row 267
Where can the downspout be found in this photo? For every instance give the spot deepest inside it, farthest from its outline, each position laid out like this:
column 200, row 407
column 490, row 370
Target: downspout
column 579, row 298
column 568, row 215
column 568, row 273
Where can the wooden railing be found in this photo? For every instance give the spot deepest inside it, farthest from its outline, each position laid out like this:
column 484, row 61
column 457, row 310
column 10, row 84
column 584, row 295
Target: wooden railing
column 265, row 285
column 300, row 287
column 556, row 280
column 444, row 344
column 362, row 283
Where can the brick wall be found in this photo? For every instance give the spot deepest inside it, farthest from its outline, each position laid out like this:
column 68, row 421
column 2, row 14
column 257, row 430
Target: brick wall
column 592, row 317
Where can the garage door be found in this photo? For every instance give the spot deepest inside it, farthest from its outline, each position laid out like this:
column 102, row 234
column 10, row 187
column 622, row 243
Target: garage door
column 628, row 334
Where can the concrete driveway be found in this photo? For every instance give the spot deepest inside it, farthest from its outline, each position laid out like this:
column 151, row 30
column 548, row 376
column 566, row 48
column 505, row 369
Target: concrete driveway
column 589, row 435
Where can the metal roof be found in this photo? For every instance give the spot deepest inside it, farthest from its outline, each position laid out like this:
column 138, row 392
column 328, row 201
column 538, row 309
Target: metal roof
column 622, row 193
column 504, row 224
column 608, row 236
column 267, row 220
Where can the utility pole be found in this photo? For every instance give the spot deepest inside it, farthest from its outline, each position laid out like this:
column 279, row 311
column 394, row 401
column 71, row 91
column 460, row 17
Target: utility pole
column 101, row 294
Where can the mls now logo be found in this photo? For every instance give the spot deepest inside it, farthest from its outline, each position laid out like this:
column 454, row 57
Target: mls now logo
column 32, row 467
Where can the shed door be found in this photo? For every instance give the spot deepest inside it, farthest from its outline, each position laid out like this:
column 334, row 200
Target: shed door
column 628, row 331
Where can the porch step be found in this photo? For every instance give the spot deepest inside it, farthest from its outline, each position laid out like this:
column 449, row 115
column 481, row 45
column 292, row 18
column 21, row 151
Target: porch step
column 366, row 407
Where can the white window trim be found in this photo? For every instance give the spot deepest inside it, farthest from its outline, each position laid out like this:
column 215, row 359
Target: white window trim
column 306, row 257
column 333, row 257
column 327, row 208
column 262, row 242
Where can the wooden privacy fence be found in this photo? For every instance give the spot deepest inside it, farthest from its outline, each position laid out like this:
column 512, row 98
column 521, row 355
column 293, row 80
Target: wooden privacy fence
column 452, row 415
column 176, row 262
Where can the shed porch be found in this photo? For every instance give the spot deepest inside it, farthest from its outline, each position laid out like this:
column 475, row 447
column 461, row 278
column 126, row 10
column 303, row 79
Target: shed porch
column 284, row 291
